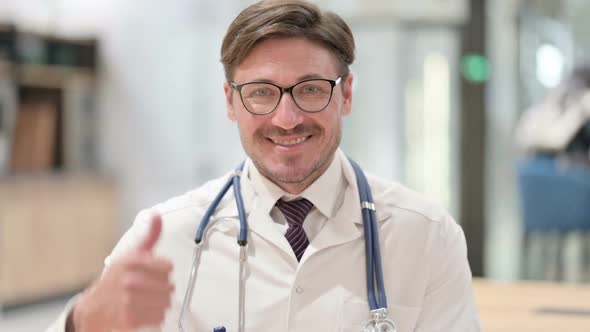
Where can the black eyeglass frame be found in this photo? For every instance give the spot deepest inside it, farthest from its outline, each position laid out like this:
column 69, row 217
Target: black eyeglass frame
column 289, row 90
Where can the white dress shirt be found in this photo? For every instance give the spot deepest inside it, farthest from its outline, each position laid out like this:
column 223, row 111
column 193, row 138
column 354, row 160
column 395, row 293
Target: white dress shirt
column 325, row 205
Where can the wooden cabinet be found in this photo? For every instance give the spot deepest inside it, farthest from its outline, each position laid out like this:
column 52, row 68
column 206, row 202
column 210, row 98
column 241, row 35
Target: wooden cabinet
column 55, row 232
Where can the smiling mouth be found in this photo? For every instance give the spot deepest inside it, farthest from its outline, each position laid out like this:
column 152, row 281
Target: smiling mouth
column 290, row 142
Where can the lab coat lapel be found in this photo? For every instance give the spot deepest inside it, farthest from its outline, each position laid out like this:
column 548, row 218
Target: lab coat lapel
column 262, row 224
column 347, row 224
column 339, row 229
column 259, row 221
column 382, row 212
column 342, row 227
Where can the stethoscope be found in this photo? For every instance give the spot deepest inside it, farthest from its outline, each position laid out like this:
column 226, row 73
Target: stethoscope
column 378, row 304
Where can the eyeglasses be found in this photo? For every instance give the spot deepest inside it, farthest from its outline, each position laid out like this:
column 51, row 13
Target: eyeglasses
column 311, row 95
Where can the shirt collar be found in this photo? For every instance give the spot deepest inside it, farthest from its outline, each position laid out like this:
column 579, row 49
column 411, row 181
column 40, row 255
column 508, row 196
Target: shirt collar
column 326, row 202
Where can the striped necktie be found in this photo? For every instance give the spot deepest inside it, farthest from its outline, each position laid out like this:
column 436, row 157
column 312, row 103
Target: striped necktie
column 295, row 212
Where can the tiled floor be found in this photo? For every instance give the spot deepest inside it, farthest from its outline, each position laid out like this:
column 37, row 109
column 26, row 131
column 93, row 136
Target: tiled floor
column 31, row 318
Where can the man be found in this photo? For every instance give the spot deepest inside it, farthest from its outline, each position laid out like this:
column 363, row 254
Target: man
column 288, row 87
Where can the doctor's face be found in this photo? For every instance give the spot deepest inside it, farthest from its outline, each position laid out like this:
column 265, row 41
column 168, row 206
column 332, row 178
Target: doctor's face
column 289, row 146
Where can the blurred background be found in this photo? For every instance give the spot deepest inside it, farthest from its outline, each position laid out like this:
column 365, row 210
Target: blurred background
column 108, row 107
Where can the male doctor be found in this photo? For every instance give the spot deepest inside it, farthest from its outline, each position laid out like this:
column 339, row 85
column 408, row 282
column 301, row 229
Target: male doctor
column 288, row 87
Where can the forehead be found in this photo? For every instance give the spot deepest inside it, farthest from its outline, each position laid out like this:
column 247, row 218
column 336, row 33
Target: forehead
column 286, row 60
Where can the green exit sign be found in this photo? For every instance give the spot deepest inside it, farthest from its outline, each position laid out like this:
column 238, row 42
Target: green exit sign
column 475, row 68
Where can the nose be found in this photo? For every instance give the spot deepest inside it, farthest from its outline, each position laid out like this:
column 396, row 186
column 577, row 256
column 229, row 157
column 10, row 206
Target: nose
column 287, row 115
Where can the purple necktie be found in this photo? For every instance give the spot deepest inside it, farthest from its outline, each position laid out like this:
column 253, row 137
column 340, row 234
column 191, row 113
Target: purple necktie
column 295, row 212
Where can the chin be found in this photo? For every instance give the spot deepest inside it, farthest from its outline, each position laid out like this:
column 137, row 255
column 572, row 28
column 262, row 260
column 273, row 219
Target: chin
column 289, row 174
column 285, row 171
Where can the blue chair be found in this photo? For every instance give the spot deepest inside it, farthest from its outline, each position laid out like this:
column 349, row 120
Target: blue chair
column 555, row 197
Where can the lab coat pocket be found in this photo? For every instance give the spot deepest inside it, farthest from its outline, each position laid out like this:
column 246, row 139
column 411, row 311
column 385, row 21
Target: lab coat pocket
column 355, row 315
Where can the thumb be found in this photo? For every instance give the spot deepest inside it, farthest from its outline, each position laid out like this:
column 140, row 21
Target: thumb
column 152, row 237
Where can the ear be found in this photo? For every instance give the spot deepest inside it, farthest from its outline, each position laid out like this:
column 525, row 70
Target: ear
column 229, row 105
column 347, row 94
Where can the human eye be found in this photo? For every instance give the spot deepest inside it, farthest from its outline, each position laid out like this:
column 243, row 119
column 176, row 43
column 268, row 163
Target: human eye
column 312, row 88
column 260, row 91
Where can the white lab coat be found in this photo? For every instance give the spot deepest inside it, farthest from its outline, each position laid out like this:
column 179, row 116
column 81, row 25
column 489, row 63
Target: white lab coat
column 426, row 273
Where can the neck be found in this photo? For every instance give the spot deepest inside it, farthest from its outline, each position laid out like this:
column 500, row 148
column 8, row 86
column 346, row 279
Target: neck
column 297, row 187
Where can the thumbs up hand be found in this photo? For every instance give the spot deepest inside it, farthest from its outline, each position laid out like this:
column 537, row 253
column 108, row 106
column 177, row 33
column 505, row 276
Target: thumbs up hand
column 149, row 242
column 133, row 292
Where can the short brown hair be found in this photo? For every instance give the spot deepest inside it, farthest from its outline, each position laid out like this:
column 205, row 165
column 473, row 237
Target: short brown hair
column 285, row 18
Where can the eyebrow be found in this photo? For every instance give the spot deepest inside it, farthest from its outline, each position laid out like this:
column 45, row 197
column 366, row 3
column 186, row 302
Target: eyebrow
column 300, row 78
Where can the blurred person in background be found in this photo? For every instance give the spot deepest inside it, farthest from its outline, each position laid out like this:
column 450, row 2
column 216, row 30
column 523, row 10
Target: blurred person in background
column 288, row 88
column 554, row 180
column 560, row 124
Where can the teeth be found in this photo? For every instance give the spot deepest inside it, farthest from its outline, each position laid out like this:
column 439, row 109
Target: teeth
column 291, row 142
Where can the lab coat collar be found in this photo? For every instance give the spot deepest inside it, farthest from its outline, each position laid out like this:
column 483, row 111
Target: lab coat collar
column 339, row 229
column 348, row 213
column 327, row 205
column 355, row 213
column 259, row 219
column 227, row 207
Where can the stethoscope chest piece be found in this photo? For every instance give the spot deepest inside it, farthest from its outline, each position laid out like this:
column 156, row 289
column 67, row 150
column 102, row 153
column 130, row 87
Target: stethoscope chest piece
column 375, row 285
column 385, row 325
column 380, row 322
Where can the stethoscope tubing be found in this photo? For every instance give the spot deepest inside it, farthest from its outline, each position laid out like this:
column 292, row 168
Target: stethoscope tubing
column 372, row 246
column 374, row 269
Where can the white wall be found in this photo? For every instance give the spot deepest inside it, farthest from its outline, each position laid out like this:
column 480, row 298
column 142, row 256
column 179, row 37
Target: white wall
column 164, row 114
column 373, row 132
column 165, row 129
column 162, row 110
column 502, row 210
column 161, row 95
